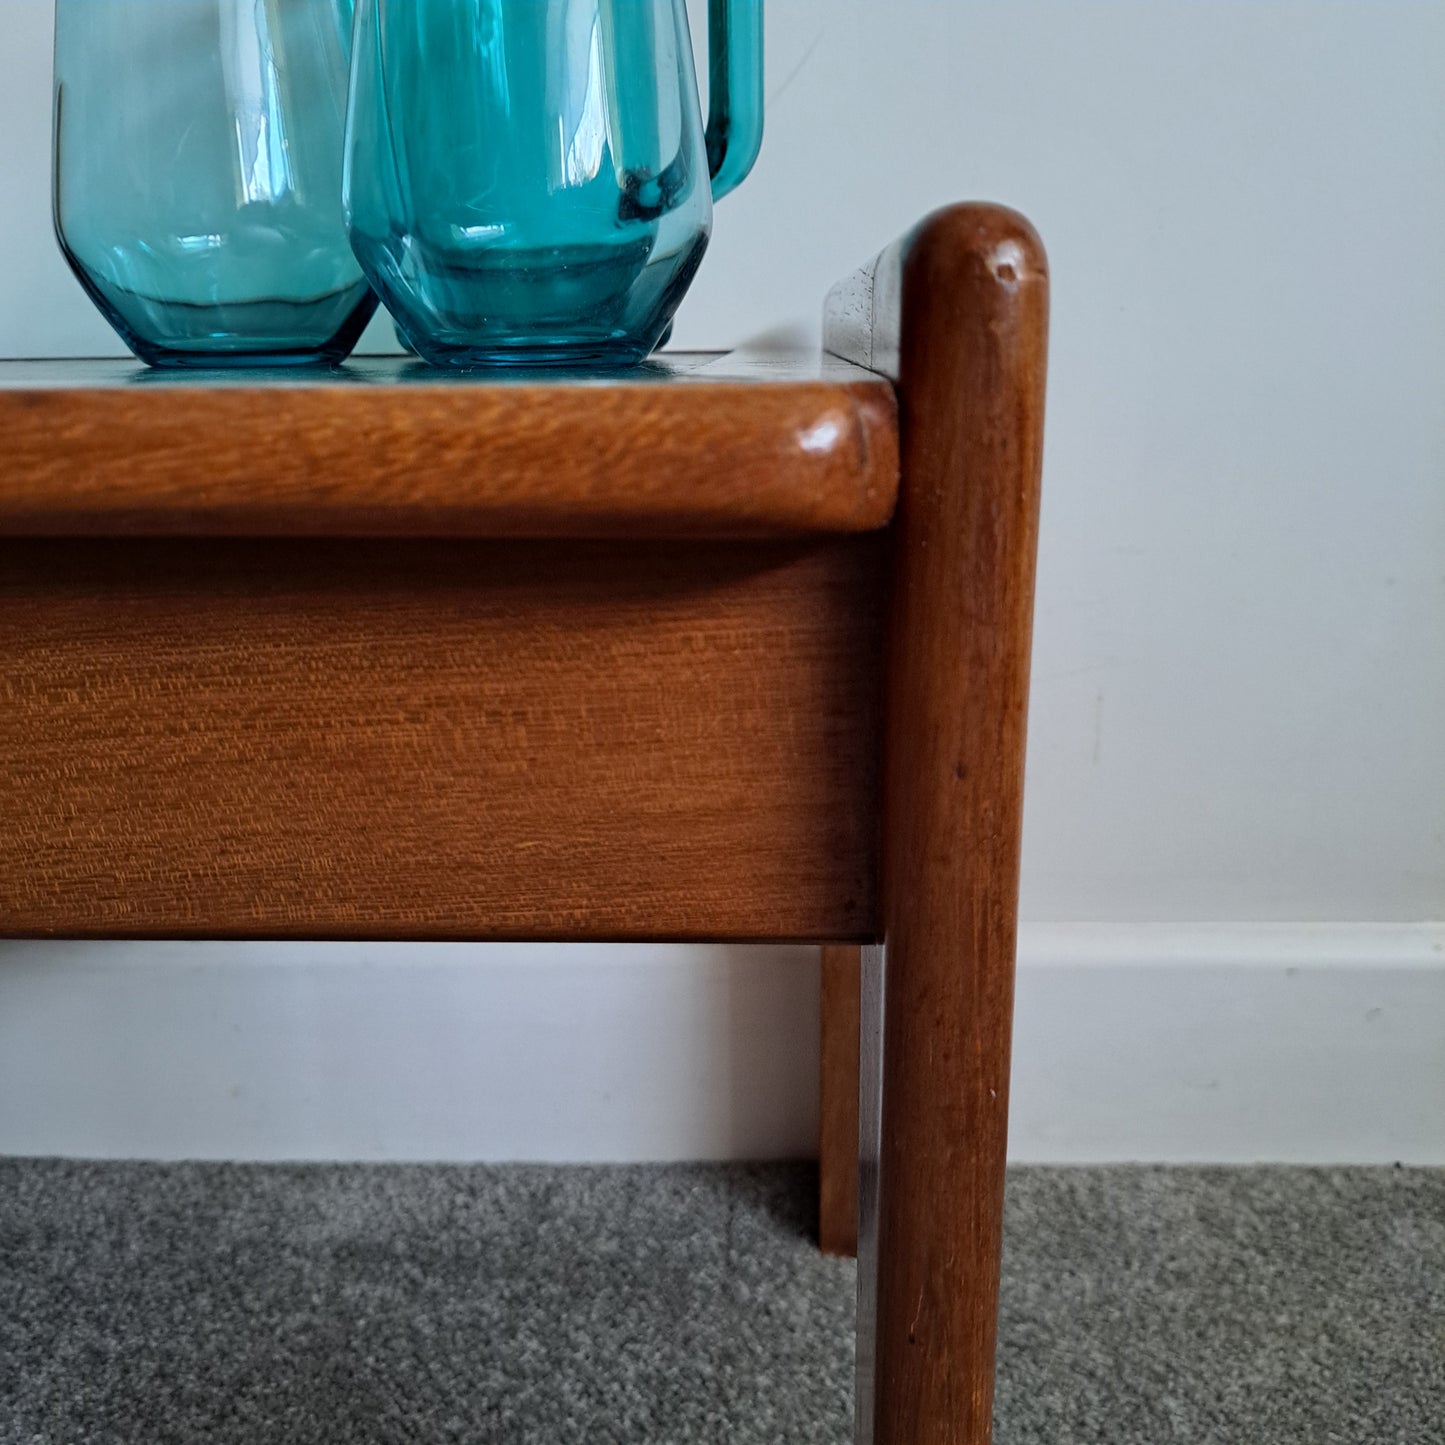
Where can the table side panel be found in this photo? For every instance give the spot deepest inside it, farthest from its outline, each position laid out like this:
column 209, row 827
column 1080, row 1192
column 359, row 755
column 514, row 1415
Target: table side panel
column 439, row 740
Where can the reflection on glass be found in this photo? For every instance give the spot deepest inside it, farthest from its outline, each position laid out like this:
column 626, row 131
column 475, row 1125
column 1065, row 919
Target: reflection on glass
column 198, row 159
column 527, row 180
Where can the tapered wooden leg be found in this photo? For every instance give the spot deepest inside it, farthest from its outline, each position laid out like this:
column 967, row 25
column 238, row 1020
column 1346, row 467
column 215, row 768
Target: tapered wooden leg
column 870, row 1099
column 838, row 1103
column 958, row 314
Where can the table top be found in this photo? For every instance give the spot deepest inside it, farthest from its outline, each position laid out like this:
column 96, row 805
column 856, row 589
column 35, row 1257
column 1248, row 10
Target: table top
column 742, row 444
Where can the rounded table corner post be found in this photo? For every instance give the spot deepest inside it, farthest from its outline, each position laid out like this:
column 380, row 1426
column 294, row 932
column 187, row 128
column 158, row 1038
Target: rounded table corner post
column 957, row 314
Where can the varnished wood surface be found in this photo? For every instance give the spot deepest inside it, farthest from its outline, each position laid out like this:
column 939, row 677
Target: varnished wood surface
column 696, row 446
column 838, row 1102
column 958, row 312
column 439, row 740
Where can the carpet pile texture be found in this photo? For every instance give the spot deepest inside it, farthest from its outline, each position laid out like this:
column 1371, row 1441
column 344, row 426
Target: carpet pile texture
column 392, row 1305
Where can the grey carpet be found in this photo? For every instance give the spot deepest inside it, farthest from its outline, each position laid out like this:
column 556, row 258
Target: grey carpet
column 174, row 1305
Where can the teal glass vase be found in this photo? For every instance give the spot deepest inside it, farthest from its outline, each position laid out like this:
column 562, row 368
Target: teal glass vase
column 529, row 182
column 198, row 160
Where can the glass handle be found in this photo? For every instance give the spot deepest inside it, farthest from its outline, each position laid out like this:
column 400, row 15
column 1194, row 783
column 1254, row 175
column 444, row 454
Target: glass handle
column 735, row 70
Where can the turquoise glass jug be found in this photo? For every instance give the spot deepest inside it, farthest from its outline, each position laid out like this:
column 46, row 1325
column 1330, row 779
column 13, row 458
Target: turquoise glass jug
column 198, row 161
column 529, row 182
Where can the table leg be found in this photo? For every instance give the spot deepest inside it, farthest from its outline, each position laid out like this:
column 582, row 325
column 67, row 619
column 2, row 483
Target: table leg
column 838, row 1102
column 958, row 311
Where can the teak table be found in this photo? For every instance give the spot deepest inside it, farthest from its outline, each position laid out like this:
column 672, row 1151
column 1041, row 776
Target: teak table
column 721, row 649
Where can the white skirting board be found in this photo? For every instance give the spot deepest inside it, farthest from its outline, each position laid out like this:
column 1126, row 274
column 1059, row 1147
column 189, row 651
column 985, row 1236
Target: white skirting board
column 1172, row 1043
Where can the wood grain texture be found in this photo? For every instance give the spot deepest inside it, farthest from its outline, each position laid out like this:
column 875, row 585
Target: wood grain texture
column 959, row 311
column 838, row 1102
column 870, row 1124
column 776, row 448
column 439, row 740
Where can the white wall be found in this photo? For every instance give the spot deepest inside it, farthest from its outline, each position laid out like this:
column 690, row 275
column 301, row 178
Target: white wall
column 1160, row 1042
column 1239, row 690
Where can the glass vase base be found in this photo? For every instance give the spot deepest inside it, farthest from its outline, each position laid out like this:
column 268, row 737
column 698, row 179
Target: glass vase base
column 537, row 356
column 570, row 306
column 266, row 332
column 235, row 360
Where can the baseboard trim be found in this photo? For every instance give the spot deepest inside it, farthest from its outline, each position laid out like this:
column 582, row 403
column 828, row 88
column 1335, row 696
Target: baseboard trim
column 1363, row 946
column 1289, row 1043
column 1172, row 1043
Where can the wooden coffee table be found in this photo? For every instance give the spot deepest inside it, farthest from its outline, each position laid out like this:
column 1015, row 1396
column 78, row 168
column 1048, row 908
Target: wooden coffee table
column 729, row 648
